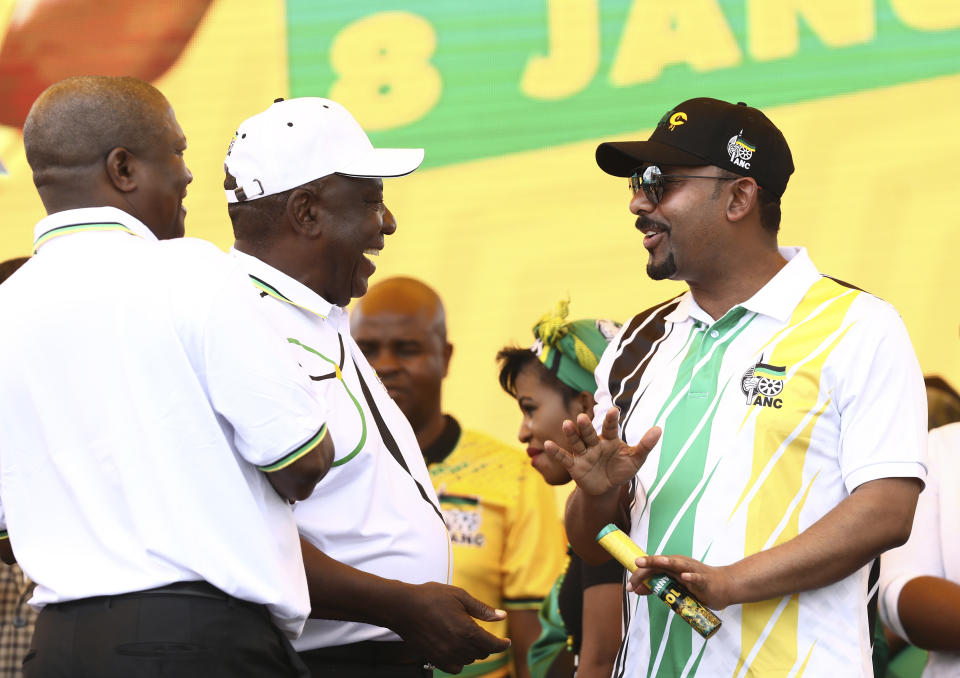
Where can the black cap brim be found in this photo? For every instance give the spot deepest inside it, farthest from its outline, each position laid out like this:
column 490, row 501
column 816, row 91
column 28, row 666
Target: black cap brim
column 622, row 158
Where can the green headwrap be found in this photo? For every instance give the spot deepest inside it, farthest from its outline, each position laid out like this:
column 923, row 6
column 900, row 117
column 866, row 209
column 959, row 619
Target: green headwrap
column 572, row 350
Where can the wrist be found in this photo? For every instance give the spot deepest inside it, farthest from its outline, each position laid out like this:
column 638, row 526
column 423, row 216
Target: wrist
column 397, row 601
column 739, row 588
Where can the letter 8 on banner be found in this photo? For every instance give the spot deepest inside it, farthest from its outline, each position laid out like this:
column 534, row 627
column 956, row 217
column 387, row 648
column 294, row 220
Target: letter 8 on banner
column 385, row 76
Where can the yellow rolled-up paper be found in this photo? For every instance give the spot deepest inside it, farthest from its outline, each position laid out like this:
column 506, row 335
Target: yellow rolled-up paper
column 666, row 588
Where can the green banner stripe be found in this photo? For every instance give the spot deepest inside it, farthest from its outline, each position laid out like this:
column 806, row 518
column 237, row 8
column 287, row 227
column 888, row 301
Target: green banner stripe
column 479, row 57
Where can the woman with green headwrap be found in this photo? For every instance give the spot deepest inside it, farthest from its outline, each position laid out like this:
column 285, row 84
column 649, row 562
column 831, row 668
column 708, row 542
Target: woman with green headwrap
column 552, row 381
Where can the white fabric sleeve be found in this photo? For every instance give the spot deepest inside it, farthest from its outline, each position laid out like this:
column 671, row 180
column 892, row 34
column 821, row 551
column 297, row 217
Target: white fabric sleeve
column 254, row 382
column 880, row 396
column 3, row 522
column 922, row 555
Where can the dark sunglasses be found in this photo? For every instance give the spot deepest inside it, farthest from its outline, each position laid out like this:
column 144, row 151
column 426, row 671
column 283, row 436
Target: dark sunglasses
column 653, row 181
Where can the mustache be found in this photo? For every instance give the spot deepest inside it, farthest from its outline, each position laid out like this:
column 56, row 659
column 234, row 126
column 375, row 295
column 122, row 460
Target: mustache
column 645, row 223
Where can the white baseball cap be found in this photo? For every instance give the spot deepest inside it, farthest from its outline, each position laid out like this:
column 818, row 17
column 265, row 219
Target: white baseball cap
column 298, row 140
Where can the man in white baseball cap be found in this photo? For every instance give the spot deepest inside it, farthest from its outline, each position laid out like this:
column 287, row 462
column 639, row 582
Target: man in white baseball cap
column 299, row 140
column 305, row 189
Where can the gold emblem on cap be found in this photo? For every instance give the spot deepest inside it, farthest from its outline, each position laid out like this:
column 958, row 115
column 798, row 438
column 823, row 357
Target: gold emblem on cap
column 677, row 119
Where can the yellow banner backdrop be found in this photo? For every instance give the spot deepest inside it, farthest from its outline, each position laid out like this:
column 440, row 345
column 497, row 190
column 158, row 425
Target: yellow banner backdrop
column 510, row 212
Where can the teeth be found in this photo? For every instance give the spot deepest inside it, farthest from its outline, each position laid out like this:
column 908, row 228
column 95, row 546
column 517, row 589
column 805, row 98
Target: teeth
column 372, row 251
column 650, row 233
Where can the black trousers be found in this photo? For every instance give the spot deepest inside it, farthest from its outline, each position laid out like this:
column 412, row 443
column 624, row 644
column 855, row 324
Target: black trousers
column 370, row 659
column 159, row 633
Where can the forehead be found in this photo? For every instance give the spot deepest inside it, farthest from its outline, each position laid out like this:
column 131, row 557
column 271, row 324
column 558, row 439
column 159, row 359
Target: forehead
column 530, row 382
column 170, row 130
column 347, row 185
column 388, row 326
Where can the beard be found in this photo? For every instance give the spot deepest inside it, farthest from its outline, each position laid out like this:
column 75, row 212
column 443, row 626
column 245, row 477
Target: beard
column 664, row 270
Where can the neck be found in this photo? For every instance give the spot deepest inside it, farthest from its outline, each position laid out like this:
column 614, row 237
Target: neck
column 60, row 199
column 429, row 432
column 719, row 294
column 280, row 257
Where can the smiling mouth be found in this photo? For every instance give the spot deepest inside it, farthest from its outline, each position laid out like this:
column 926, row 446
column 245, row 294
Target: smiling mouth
column 649, row 227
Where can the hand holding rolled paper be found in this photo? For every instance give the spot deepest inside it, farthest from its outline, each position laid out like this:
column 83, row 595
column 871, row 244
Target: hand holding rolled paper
column 691, row 610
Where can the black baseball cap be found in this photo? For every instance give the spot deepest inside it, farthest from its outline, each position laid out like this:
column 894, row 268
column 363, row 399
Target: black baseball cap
column 705, row 131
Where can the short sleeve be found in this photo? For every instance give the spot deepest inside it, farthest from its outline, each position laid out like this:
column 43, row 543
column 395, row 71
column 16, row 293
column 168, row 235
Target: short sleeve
column 880, row 397
column 922, row 555
column 610, row 572
column 3, row 523
column 534, row 553
column 254, row 382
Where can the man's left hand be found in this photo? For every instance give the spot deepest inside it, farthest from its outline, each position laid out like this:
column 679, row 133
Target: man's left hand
column 715, row 587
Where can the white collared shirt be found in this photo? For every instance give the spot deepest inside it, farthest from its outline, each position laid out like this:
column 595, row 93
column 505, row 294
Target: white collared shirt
column 771, row 416
column 371, row 511
column 933, row 549
column 142, row 388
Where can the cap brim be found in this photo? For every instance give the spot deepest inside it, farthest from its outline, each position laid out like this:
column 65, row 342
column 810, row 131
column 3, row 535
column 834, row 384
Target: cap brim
column 384, row 162
column 622, row 158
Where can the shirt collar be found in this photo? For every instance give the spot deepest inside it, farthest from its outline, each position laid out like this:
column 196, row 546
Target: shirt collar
column 280, row 286
column 777, row 299
column 89, row 220
column 780, row 296
column 440, row 449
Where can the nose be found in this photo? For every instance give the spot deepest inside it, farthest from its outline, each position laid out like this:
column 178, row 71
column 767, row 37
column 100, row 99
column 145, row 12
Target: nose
column 640, row 204
column 189, row 175
column 524, row 435
column 389, row 225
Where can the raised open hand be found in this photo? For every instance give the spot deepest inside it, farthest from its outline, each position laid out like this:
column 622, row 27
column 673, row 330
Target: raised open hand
column 600, row 463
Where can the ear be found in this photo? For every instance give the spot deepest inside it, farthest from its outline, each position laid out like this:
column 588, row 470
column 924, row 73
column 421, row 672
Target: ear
column 447, row 354
column 743, row 199
column 304, row 212
column 120, row 166
column 584, row 403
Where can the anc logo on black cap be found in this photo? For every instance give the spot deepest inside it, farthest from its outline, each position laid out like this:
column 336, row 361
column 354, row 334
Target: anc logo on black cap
column 740, row 150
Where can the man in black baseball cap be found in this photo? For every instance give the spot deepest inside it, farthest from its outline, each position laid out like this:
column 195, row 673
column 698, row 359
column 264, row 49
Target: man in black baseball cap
column 738, row 139
column 765, row 427
column 736, row 146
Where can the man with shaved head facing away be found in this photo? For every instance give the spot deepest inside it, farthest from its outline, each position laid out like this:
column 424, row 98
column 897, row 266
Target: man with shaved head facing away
column 305, row 192
column 508, row 546
column 147, row 465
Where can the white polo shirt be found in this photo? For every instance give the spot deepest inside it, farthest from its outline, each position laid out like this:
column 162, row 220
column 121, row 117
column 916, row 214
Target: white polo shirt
column 376, row 509
column 771, row 416
column 933, row 549
column 142, row 388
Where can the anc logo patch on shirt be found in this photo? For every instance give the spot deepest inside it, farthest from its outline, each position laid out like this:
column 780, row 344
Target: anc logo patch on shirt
column 762, row 384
